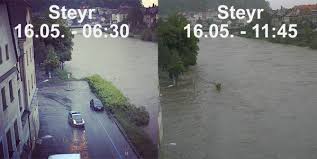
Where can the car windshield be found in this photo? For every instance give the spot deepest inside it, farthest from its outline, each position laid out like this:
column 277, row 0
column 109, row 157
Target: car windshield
column 77, row 117
column 98, row 103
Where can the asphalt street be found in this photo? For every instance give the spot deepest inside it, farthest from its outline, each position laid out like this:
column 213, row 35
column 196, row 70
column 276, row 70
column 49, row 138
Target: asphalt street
column 100, row 139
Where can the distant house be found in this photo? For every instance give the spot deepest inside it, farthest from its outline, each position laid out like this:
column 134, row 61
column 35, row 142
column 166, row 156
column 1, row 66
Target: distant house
column 119, row 16
column 278, row 17
column 121, row 13
column 314, row 17
column 301, row 13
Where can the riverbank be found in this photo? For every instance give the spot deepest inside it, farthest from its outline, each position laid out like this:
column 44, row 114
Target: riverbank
column 304, row 39
column 130, row 117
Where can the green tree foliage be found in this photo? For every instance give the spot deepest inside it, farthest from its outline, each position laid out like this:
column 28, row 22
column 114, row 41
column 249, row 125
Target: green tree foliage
column 63, row 46
column 170, row 6
column 43, row 5
column 52, row 60
column 176, row 50
column 135, row 17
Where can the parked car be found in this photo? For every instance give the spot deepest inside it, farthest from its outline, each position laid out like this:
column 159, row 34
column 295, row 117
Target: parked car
column 96, row 105
column 75, row 119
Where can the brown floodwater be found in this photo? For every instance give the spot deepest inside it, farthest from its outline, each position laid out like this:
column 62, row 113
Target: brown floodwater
column 267, row 108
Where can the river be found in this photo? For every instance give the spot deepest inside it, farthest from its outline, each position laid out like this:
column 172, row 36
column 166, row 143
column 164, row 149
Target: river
column 130, row 64
column 267, row 108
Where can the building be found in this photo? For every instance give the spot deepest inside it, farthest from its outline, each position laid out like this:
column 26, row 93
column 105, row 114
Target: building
column 314, row 17
column 10, row 114
column 19, row 120
column 301, row 13
column 119, row 16
column 278, row 17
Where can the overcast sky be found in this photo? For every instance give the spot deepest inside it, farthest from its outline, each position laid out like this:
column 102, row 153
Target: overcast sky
column 274, row 3
column 289, row 3
column 148, row 3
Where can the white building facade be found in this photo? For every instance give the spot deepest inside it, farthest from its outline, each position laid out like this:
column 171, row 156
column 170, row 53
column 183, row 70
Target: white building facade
column 19, row 120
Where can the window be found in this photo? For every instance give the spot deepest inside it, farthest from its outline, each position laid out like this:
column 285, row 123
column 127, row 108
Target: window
column 11, row 91
column 27, row 58
column 21, row 64
column 31, row 54
column 32, row 80
column 19, row 96
column 4, row 100
column 9, row 141
column 29, row 87
column 7, row 51
column 16, row 133
column 1, row 56
column 1, row 150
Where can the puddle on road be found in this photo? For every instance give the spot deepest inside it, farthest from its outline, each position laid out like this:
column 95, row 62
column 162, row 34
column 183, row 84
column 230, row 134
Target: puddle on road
column 60, row 99
column 79, row 143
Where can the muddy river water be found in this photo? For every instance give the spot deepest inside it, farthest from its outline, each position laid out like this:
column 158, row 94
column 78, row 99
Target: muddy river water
column 267, row 108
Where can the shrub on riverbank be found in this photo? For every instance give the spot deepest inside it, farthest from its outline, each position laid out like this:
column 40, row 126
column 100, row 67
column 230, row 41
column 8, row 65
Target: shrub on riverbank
column 129, row 116
column 313, row 44
column 148, row 35
column 107, row 92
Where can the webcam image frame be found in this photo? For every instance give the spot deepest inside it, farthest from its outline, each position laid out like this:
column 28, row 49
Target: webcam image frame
column 79, row 79
column 237, row 78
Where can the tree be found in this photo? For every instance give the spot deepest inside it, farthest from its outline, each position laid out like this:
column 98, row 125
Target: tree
column 52, row 60
column 176, row 50
column 40, row 51
column 175, row 66
column 135, row 17
column 63, row 46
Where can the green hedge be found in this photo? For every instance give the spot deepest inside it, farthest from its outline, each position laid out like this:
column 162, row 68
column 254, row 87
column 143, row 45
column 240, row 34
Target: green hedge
column 106, row 91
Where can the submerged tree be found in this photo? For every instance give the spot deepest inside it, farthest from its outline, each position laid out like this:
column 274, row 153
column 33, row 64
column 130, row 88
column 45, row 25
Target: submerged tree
column 176, row 50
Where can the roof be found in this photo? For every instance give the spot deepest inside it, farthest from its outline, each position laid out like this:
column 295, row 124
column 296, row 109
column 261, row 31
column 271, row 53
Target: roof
column 302, row 10
column 307, row 7
column 74, row 112
column 64, row 156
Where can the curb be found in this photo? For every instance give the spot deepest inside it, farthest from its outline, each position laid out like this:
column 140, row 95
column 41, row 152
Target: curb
column 113, row 118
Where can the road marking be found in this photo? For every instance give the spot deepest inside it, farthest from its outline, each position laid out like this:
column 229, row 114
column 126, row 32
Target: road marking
column 110, row 139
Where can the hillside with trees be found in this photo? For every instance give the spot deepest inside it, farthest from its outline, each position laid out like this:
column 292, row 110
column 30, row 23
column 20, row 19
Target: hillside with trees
column 168, row 6
column 43, row 5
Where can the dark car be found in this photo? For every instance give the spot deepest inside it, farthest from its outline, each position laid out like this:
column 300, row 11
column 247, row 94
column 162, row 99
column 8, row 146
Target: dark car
column 75, row 119
column 96, row 105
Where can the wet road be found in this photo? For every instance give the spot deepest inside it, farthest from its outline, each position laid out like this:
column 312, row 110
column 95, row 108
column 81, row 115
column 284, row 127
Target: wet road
column 130, row 64
column 100, row 139
column 267, row 108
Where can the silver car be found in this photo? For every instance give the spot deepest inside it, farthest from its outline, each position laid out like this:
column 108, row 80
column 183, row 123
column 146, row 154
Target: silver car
column 75, row 119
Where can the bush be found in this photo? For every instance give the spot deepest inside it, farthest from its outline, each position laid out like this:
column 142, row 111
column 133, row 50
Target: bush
column 147, row 35
column 218, row 86
column 313, row 44
column 107, row 92
column 139, row 116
